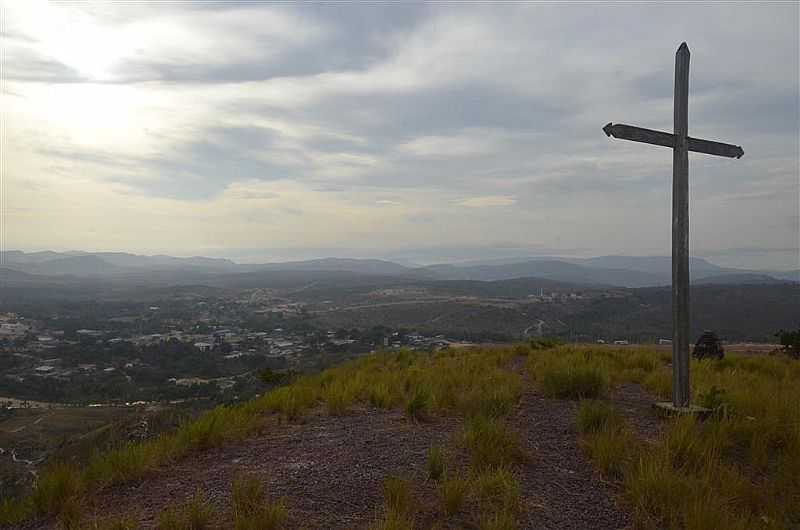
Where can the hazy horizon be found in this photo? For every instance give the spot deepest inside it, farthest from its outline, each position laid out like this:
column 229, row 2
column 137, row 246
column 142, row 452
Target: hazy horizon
column 420, row 257
column 415, row 132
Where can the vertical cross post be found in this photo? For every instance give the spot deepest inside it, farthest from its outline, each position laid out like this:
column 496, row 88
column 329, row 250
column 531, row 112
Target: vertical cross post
column 680, row 233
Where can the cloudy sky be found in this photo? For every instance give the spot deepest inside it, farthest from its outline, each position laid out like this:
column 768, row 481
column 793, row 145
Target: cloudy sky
column 270, row 131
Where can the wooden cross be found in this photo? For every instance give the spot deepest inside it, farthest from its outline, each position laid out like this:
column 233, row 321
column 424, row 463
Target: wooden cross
column 681, row 144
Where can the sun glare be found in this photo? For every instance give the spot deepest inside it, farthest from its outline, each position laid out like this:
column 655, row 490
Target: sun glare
column 72, row 37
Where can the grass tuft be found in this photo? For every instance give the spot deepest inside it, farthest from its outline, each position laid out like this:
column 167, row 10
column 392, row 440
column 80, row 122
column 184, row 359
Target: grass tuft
column 13, row 512
column 610, row 449
column 497, row 489
column 56, row 488
column 70, row 514
column 594, row 416
column 436, row 463
column 251, row 509
column 502, row 520
column 398, row 507
column 418, row 404
column 379, row 395
column 338, row 397
column 392, row 520
column 574, row 382
column 453, row 493
column 196, row 514
column 397, row 494
column 491, row 443
column 119, row 523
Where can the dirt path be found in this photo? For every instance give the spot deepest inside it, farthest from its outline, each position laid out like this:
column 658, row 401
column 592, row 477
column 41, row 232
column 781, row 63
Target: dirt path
column 559, row 485
column 330, row 470
column 560, row 488
column 636, row 407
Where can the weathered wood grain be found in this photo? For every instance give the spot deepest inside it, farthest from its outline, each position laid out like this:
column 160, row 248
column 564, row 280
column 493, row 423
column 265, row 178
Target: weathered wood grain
column 653, row 137
column 681, row 144
column 680, row 232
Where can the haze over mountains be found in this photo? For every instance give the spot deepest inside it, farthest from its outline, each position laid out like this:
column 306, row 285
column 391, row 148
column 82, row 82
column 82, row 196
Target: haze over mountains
column 620, row 271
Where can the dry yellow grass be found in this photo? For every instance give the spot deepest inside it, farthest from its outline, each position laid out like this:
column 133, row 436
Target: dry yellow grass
column 468, row 382
column 738, row 469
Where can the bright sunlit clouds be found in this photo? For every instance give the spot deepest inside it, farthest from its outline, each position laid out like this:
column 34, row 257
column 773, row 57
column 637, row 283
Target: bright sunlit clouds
column 69, row 36
column 193, row 127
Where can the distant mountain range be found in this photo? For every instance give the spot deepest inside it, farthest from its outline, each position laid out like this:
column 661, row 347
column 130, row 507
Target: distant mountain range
column 619, row 271
column 105, row 263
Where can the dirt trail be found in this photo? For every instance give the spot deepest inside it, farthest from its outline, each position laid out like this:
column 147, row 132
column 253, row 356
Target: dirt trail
column 560, row 488
column 330, row 470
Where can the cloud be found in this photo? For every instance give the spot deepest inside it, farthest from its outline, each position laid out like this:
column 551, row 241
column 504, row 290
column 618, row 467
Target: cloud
column 355, row 126
column 488, row 201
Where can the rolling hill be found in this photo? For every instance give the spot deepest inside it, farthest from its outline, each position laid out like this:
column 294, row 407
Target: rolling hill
column 619, row 271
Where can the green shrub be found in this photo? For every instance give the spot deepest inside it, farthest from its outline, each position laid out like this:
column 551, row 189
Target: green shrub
column 715, row 399
column 269, row 376
column 790, row 341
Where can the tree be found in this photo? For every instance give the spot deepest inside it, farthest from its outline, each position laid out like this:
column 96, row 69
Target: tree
column 790, row 340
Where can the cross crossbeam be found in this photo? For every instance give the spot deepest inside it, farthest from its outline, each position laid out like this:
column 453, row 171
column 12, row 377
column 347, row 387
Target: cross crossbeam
column 649, row 136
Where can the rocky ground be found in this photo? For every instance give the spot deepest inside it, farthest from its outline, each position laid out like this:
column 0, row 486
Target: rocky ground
column 330, row 470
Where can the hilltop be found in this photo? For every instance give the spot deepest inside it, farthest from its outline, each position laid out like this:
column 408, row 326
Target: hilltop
column 531, row 436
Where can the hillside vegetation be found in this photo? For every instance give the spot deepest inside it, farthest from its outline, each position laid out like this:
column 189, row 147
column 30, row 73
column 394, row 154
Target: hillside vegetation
column 740, row 468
